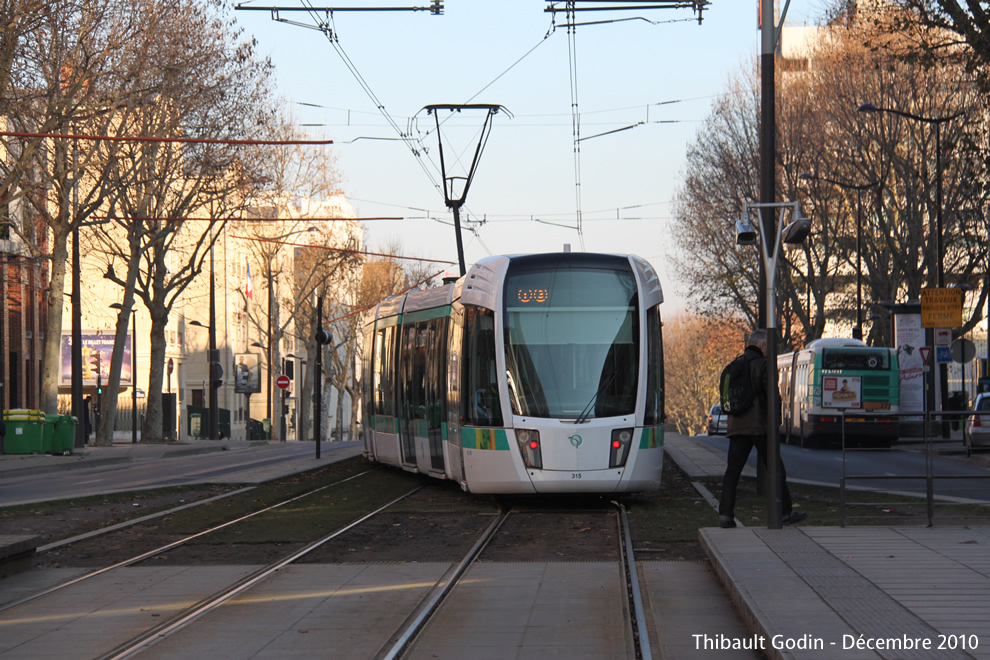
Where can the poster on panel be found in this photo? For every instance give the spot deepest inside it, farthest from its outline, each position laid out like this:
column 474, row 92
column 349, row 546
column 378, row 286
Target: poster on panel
column 247, row 373
column 97, row 349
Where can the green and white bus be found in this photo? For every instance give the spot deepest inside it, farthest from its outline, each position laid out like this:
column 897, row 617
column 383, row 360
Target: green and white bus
column 830, row 377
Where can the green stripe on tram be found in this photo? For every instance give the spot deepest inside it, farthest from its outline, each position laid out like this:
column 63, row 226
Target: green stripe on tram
column 388, row 321
column 494, row 439
column 426, row 314
column 652, row 437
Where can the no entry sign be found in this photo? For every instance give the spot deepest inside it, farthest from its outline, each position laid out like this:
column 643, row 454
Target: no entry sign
column 282, row 382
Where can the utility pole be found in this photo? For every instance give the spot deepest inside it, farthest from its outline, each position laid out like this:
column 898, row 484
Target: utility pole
column 768, row 224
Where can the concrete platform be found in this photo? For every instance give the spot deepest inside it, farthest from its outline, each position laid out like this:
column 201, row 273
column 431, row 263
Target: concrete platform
column 850, row 593
column 16, row 552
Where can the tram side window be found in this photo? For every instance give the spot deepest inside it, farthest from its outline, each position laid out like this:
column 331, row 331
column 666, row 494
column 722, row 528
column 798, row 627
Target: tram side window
column 654, row 369
column 385, row 372
column 436, row 385
column 481, row 405
column 412, row 366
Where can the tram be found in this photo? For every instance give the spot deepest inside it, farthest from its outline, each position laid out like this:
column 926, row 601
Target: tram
column 535, row 373
column 834, row 377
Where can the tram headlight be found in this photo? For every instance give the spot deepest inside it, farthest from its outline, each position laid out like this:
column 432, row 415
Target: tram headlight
column 619, row 447
column 529, row 447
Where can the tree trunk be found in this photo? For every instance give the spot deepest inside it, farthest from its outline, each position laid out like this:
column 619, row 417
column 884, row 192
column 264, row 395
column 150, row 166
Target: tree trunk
column 108, row 416
column 152, row 429
column 324, row 391
column 340, row 413
column 108, row 420
column 52, row 359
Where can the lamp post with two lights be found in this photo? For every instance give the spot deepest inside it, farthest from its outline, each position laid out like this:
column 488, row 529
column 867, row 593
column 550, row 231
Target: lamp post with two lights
column 792, row 233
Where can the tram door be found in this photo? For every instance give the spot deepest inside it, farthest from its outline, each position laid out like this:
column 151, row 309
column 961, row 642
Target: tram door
column 410, row 392
column 422, row 392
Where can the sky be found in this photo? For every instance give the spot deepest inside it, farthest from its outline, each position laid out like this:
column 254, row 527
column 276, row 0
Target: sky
column 655, row 78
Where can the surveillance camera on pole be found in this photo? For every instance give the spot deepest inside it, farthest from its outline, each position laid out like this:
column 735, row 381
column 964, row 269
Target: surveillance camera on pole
column 745, row 233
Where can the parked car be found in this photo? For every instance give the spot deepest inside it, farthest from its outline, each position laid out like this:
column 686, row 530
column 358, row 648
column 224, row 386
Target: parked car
column 978, row 426
column 718, row 424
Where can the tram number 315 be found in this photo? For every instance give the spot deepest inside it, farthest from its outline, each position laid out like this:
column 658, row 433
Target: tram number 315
column 575, row 475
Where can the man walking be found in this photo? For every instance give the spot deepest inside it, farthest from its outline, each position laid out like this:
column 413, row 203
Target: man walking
column 749, row 429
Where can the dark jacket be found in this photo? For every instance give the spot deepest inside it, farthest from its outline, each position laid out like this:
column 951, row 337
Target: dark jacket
column 754, row 420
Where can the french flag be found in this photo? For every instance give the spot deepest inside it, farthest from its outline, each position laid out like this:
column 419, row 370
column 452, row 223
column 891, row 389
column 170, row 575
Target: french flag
column 248, row 287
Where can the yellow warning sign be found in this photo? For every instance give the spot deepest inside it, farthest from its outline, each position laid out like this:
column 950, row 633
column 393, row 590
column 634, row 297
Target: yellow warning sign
column 941, row 308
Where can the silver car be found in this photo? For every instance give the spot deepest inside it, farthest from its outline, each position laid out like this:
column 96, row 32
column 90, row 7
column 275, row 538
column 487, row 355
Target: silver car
column 718, row 424
column 978, row 426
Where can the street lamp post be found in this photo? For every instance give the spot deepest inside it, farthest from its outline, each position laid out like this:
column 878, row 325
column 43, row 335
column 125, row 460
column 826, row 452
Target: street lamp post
column 321, row 338
column 268, row 384
column 212, row 375
column 938, row 242
column 937, row 122
column 794, row 232
column 859, row 188
column 299, row 389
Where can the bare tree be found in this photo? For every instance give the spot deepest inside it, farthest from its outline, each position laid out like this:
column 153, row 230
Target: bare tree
column 298, row 251
column 695, row 351
column 165, row 250
column 821, row 132
column 74, row 73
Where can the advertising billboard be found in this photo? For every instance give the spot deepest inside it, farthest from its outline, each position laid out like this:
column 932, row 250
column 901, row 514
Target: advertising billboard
column 97, row 349
column 841, row 391
column 247, row 373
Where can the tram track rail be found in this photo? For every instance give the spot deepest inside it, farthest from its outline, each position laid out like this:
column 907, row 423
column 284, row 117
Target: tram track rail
column 595, row 540
column 166, row 628
column 161, row 549
column 403, row 641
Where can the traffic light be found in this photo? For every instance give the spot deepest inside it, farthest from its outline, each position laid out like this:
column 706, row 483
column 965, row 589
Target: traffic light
column 97, row 366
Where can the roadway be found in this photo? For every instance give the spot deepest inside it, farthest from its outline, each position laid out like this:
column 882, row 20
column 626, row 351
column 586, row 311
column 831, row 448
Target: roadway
column 125, row 468
column 955, row 476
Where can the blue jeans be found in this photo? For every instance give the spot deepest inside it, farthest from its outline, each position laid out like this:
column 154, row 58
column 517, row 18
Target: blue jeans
column 740, row 447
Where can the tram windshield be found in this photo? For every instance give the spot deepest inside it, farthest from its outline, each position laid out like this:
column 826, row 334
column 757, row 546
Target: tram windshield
column 571, row 342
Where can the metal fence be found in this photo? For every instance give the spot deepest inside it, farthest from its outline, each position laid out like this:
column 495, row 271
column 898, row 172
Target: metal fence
column 124, row 411
column 931, row 446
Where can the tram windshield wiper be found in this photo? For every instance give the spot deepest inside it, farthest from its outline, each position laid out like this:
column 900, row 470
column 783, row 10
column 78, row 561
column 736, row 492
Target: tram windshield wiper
column 583, row 417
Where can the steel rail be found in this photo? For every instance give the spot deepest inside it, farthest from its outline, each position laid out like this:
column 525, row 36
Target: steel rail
column 166, row 628
column 637, row 618
column 437, row 595
column 164, row 548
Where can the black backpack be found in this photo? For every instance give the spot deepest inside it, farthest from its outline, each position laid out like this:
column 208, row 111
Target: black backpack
column 735, row 385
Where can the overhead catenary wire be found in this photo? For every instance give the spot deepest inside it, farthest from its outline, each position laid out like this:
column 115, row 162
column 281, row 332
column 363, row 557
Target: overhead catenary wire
column 147, row 138
column 329, row 31
column 329, row 248
column 575, row 117
column 250, row 219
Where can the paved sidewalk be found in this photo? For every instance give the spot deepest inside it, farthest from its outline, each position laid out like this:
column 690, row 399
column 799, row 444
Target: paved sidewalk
column 122, row 452
column 854, row 592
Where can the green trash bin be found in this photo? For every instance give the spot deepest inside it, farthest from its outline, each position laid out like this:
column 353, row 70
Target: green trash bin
column 62, row 432
column 25, row 432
